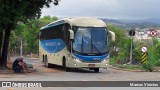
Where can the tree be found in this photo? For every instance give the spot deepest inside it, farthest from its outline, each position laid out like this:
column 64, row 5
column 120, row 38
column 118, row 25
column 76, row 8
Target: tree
column 33, row 28
column 120, row 48
column 11, row 12
column 24, row 31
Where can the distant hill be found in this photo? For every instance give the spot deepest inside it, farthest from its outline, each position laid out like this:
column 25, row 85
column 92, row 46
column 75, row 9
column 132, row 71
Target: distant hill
column 141, row 23
column 150, row 20
column 114, row 22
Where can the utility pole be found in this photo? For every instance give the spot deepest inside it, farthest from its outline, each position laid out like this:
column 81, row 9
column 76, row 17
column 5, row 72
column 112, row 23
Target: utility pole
column 131, row 33
column 21, row 48
column 153, row 34
column 131, row 50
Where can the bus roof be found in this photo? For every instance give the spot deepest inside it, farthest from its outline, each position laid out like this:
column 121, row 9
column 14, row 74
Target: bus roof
column 78, row 21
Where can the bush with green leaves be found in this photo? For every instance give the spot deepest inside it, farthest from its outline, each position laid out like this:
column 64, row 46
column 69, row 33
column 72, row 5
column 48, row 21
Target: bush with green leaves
column 148, row 66
column 157, row 63
column 120, row 48
column 152, row 59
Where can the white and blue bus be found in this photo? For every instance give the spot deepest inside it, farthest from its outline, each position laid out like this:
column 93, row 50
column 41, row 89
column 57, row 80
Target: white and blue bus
column 78, row 42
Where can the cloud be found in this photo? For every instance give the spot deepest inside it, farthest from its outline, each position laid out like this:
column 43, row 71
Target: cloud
column 106, row 8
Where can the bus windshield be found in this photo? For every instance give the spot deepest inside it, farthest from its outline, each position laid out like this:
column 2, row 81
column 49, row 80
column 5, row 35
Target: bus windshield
column 91, row 40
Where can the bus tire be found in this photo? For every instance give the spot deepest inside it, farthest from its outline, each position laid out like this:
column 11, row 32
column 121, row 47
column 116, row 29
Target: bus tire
column 64, row 65
column 96, row 70
column 46, row 64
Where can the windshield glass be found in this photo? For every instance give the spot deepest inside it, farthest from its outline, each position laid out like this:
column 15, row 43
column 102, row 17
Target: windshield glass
column 91, row 40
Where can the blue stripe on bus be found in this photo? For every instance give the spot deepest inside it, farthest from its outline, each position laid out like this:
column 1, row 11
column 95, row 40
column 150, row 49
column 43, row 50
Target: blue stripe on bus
column 52, row 45
column 91, row 58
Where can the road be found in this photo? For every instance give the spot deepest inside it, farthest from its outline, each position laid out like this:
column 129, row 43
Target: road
column 58, row 74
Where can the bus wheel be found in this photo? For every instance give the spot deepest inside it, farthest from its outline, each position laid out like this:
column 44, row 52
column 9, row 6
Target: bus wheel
column 96, row 70
column 64, row 65
column 46, row 64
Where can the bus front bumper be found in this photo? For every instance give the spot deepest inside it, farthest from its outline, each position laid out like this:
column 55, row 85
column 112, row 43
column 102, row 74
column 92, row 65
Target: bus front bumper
column 79, row 64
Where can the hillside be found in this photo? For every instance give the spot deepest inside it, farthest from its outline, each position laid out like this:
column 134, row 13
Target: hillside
column 141, row 23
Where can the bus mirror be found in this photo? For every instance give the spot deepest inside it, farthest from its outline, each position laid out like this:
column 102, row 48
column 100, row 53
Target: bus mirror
column 71, row 34
column 112, row 35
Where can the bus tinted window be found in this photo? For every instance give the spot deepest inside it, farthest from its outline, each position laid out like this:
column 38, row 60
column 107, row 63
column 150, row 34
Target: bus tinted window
column 52, row 33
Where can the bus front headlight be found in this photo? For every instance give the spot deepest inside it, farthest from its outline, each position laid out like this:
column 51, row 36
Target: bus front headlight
column 106, row 59
column 76, row 59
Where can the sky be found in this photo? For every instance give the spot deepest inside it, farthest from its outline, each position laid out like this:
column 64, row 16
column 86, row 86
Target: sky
column 114, row 9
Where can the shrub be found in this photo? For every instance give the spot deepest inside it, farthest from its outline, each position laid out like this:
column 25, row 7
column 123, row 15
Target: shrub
column 148, row 66
column 157, row 63
column 112, row 61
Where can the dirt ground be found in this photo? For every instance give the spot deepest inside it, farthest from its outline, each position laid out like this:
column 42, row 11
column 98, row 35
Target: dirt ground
column 9, row 64
column 37, row 67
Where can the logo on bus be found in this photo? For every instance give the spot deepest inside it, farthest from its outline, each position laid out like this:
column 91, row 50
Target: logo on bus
column 96, row 58
column 53, row 45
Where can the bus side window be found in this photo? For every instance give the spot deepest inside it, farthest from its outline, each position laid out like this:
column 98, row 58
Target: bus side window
column 60, row 31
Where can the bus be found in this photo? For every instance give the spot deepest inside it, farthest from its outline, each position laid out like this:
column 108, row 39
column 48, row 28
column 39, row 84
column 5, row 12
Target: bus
column 79, row 42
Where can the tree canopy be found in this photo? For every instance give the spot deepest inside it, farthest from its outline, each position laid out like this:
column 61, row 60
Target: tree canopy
column 28, row 33
column 13, row 11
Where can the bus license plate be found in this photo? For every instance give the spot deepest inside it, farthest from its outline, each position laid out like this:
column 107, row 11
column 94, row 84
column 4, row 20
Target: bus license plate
column 91, row 65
